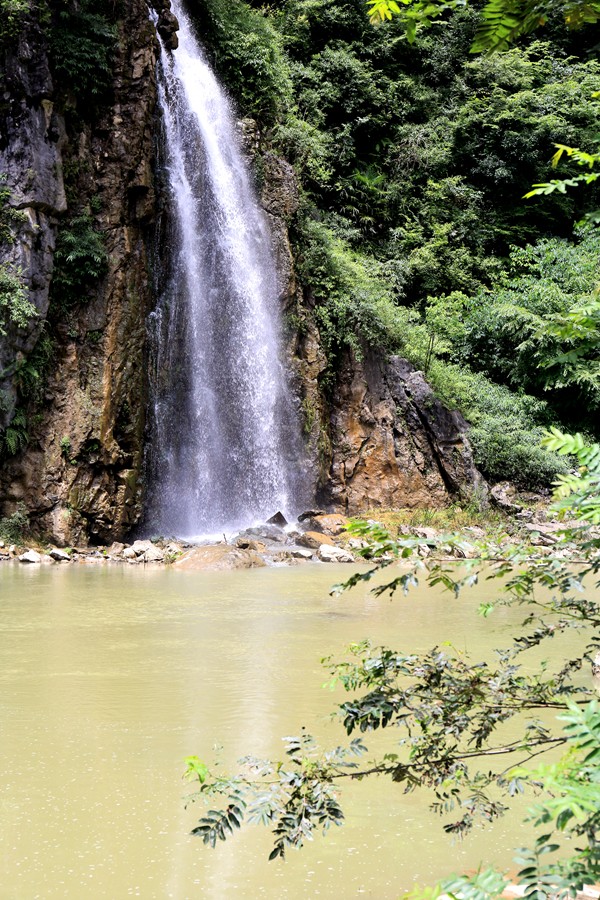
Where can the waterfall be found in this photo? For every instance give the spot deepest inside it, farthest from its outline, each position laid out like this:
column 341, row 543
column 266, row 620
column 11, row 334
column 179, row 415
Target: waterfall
column 225, row 441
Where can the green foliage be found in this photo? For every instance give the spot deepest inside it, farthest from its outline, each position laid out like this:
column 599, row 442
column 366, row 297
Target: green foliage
column 580, row 491
column 82, row 45
column 13, row 527
column 11, row 16
column 537, row 330
column 248, row 56
column 501, row 21
column 15, row 308
column 355, row 305
column 79, row 261
column 15, row 436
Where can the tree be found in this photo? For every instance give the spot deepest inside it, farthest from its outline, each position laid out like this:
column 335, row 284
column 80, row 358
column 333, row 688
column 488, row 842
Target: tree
column 449, row 709
column 500, row 23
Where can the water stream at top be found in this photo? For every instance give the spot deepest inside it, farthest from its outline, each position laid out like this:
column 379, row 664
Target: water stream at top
column 226, row 448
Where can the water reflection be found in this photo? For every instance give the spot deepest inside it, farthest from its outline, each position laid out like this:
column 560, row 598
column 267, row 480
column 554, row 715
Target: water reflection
column 111, row 676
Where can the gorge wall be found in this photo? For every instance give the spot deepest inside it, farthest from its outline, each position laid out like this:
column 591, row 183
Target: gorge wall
column 75, row 381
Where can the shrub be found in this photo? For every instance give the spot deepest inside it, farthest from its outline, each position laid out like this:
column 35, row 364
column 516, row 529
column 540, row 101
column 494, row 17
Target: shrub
column 82, row 45
column 14, row 526
column 79, row 261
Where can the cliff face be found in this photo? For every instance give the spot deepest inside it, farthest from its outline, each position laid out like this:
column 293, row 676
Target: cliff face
column 377, row 437
column 79, row 475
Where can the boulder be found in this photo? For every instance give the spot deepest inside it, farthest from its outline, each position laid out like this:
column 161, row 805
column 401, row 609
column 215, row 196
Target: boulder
column 301, row 553
column 504, row 495
column 268, row 533
column 115, row 549
column 30, row 556
column 215, row 557
column 129, row 553
column 311, row 514
column 59, row 555
column 278, row 519
column 331, row 524
column 326, row 553
column 153, row 554
column 314, row 539
column 141, row 547
column 248, row 543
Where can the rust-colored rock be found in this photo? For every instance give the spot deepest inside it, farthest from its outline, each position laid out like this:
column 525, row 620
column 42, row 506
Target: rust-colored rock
column 331, row 524
column 215, row 557
column 314, row 539
column 393, row 443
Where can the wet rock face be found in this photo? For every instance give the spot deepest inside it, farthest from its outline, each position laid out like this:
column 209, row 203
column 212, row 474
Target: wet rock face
column 32, row 135
column 80, row 476
column 393, row 443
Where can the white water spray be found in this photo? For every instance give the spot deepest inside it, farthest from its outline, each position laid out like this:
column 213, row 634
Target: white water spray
column 226, row 448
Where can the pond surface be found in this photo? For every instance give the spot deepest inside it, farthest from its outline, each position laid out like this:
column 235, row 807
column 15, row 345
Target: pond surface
column 111, row 676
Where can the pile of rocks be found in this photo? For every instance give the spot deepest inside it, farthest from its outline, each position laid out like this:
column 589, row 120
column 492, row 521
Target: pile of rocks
column 316, row 536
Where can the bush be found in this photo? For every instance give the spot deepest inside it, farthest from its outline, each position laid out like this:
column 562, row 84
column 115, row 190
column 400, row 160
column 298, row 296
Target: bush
column 15, row 307
column 79, row 261
column 506, row 427
column 82, row 45
column 355, row 304
column 13, row 527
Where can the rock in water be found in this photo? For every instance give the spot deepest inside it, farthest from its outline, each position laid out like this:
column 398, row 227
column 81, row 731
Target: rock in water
column 315, row 539
column 59, row 555
column 30, row 556
column 219, row 556
column 334, row 554
column 278, row 519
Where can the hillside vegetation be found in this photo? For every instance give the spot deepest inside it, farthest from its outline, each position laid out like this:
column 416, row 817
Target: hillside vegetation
column 413, row 235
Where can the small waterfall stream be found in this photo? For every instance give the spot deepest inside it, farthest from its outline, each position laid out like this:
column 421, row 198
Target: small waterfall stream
column 225, row 443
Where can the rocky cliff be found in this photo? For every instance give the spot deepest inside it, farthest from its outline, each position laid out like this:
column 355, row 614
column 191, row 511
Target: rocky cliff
column 79, row 475
column 377, row 435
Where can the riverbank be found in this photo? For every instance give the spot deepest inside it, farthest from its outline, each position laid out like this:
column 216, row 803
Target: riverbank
column 512, row 519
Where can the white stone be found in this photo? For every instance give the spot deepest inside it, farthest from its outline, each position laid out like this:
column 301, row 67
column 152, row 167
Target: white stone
column 326, row 553
column 301, row 553
column 140, row 547
column 30, row 556
column 129, row 553
column 153, row 554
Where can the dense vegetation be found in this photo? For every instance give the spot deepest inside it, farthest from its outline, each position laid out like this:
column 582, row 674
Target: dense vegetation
column 413, row 234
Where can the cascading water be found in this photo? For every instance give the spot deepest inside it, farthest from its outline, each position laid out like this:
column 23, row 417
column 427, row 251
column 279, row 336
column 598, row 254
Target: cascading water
column 226, row 448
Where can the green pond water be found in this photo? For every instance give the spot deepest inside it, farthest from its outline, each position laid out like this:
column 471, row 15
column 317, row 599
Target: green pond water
column 110, row 676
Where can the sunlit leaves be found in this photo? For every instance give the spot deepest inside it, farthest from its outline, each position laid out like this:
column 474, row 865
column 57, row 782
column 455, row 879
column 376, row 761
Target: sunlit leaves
column 501, row 21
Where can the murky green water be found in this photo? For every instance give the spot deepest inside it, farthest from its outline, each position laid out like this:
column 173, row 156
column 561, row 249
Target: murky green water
column 109, row 677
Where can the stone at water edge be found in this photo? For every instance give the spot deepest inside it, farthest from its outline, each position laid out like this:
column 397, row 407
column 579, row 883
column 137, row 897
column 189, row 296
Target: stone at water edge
column 213, row 557
column 59, row 555
column 268, row 533
column 115, row 549
column 247, row 543
column 331, row 524
column 315, row 539
column 30, row 556
column 326, row 553
column 278, row 519
column 153, row 554
column 301, row 553
column 129, row 553
column 141, row 547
